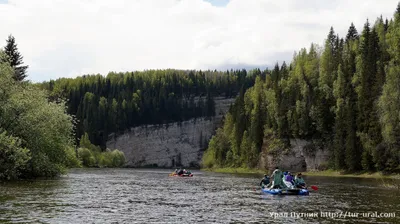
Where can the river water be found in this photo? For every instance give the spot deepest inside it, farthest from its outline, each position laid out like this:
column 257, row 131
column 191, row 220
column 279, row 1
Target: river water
column 151, row 196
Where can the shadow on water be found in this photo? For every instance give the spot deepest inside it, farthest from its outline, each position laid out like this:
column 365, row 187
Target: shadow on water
column 151, row 196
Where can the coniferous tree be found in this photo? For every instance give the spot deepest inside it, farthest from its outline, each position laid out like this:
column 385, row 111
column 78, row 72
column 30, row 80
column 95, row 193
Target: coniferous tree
column 352, row 33
column 352, row 149
column 15, row 59
column 340, row 120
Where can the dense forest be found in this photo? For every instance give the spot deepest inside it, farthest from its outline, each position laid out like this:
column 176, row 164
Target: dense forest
column 343, row 97
column 104, row 105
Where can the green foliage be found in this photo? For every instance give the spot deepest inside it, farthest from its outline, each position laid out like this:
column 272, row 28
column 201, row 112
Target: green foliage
column 87, row 157
column 345, row 97
column 42, row 126
column 91, row 156
column 208, row 160
column 275, row 146
column 245, row 147
column 388, row 157
column 85, row 143
column 13, row 157
column 72, row 160
column 14, row 58
column 118, row 158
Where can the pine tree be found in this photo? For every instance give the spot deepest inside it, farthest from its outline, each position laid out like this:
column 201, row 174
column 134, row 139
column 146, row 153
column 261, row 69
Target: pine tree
column 245, row 148
column 340, row 120
column 323, row 115
column 352, row 148
column 352, row 33
column 256, row 120
column 15, row 59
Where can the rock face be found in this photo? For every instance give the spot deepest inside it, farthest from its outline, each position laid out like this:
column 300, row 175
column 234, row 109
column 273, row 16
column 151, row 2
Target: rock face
column 302, row 156
column 172, row 144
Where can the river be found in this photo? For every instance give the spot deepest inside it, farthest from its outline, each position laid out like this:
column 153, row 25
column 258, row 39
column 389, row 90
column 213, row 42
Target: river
column 151, row 196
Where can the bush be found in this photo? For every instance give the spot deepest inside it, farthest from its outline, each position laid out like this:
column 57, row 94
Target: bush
column 89, row 158
column 72, row 160
column 86, row 156
column 208, row 158
column 43, row 126
column 85, row 143
column 13, row 158
column 41, row 166
column 104, row 159
column 118, row 158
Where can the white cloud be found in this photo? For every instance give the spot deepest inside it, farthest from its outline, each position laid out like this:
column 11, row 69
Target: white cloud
column 74, row 37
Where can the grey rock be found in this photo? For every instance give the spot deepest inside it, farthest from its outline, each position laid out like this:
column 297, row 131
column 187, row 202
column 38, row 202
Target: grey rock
column 172, row 144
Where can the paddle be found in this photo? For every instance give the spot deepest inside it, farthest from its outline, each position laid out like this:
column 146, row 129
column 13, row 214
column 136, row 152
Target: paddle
column 315, row 188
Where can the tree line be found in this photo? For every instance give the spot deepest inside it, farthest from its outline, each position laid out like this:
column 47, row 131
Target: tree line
column 109, row 104
column 343, row 97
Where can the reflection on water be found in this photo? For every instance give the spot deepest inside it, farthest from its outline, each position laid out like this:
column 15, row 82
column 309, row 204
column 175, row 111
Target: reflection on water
column 146, row 196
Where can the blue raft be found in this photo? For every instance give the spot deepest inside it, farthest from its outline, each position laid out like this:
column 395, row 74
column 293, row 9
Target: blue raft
column 285, row 191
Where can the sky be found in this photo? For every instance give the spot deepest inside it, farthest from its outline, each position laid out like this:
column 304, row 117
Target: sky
column 69, row 38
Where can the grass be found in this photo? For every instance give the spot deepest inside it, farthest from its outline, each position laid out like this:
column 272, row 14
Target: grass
column 326, row 173
column 334, row 173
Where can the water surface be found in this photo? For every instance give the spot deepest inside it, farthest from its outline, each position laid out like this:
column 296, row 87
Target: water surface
column 151, row 196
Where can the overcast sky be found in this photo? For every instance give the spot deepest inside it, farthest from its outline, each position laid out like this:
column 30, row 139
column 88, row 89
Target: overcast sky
column 67, row 38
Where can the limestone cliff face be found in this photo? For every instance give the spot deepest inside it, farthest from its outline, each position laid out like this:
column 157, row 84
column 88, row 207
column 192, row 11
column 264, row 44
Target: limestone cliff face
column 172, row 144
column 302, row 155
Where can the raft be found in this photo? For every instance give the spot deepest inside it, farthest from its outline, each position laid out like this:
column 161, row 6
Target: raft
column 296, row 191
column 182, row 175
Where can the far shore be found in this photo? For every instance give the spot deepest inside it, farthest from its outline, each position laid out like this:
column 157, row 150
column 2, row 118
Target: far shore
column 326, row 173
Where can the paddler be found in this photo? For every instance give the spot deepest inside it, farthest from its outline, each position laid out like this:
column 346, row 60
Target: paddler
column 299, row 181
column 265, row 181
column 277, row 176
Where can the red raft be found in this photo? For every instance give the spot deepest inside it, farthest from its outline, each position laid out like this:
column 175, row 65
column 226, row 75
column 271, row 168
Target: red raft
column 182, row 175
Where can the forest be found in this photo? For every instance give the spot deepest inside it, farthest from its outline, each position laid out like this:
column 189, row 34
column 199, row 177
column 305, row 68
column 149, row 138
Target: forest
column 343, row 96
column 102, row 105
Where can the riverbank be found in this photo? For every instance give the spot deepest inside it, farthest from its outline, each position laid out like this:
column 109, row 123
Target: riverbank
column 333, row 173
column 326, row 173
column 236, row 170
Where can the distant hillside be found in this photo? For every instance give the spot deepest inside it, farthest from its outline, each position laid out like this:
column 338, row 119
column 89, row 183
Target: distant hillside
column 112, row 104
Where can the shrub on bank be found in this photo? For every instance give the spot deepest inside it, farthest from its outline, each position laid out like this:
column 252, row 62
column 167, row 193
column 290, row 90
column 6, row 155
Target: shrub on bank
column 42, row 126
column 86, row 157
column 118, row 158
column 89, row 158
column 72, row 159
column 13, row 157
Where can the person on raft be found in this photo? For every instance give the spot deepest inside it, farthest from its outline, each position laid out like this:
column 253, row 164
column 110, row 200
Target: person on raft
column 277, row 176
column 265, row 181
column 180, row 171
column 289, row 177
column 299, row 181
column 288, row 180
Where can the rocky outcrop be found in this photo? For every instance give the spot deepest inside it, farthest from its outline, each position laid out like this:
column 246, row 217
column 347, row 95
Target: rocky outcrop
column 302, row 155
column 170, row 145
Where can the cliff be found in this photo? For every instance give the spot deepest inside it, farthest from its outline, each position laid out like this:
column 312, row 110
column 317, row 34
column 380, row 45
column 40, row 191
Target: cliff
column 302, row 155
column 170, row 145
